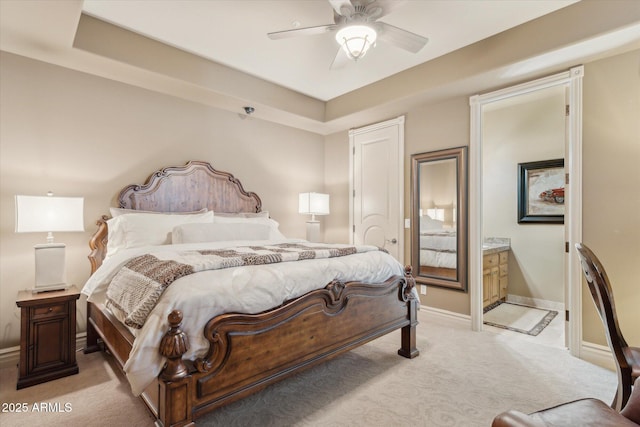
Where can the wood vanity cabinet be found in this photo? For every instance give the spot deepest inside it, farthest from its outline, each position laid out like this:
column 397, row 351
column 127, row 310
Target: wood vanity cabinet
column 48, row 336
column 495, row 277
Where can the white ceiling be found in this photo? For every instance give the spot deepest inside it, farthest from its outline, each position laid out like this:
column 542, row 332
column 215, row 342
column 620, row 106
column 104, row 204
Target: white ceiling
column 234, row 33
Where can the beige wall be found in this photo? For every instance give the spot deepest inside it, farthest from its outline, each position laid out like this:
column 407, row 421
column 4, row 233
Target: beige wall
column 336, row 153
column 75, row 134
column 81, row 135
column 611, row 179
column 429, row 128
column 528, row 128
column 611, row 186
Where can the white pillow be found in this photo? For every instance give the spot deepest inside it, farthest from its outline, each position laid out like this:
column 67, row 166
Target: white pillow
column 121, row 211
column 263, row 214
column 428, row 223
column 142, row 229
column 274, row 234
column 216, row 232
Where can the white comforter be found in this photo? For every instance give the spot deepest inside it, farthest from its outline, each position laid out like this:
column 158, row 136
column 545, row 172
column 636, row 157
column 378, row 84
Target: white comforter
column 247, row 289
column 438, row 240
column 429, row 258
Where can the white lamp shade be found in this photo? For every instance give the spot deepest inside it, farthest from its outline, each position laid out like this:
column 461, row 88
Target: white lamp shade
column 356, row 40
column 313, row 204
column 48, row 213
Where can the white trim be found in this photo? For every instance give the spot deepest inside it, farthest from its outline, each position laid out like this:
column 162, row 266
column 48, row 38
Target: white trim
column 446, row 314
column 598, row 355
column 399, row 122
column 351, row 187
column 573, row 166
column 537, row 302
column 9, row 356
column 475, row 218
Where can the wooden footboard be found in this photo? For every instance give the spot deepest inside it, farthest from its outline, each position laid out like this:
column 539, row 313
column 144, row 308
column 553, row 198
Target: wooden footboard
column 249, row 352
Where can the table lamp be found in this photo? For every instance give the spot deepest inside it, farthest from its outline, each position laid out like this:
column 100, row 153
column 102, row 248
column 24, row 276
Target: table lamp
column 38, row 214
column 313, row 204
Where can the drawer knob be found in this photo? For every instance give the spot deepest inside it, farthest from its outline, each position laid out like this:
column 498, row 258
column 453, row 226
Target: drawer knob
column 50, row 309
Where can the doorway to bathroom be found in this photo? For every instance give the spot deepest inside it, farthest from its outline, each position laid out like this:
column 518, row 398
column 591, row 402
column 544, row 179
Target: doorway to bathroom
column 523, row 254
column 538, row 252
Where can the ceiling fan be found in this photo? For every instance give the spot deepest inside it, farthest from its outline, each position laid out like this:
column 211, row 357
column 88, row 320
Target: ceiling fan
column 358, row 29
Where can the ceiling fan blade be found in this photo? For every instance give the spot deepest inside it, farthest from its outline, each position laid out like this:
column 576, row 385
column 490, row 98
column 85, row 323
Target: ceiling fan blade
column 403, row 39
column 341, row 59
column 308, row 31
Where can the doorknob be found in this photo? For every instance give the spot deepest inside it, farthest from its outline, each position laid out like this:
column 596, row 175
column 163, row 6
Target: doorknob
column 394, row 241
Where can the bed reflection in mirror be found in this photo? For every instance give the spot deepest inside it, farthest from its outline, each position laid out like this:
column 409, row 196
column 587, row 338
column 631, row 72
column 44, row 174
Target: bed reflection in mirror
column 439, row 218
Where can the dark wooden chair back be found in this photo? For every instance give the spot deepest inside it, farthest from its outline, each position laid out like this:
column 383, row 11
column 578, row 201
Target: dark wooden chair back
column 600, row 288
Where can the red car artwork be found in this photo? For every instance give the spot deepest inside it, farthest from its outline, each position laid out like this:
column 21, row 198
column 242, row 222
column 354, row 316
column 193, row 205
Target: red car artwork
column 555, row 195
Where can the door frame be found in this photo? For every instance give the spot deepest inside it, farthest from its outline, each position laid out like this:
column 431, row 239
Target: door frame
column 572, row 79
column 399, row 122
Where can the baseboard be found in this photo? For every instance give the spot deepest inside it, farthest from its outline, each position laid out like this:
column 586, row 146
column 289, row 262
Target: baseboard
column 11, row 355
column 463, row 318
column 597, row 354
column 536, row 302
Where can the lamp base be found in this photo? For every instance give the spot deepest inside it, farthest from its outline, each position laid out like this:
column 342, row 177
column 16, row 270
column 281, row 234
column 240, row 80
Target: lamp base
column 50, row 267
column 313, row 231
column 60, row 287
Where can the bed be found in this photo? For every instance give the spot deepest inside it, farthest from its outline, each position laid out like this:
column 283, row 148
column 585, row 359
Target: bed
column 438, row 249
column 204, row 361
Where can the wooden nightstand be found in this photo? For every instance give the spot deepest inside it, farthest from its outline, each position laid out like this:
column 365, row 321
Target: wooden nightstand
column 47, row 336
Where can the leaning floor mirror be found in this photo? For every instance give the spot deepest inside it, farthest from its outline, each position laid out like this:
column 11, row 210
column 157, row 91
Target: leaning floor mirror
column 439, row 218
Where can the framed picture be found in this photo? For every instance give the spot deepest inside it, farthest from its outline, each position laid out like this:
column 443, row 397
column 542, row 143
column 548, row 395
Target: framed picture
column 541, row 192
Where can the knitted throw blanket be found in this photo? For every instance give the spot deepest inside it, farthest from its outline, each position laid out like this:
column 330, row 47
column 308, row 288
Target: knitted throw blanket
column 136, row 288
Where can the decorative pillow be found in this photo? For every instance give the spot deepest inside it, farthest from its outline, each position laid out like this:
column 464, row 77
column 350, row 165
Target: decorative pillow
column 142, row 229
column 274, row 234
column 216, row 232
column 121, row 211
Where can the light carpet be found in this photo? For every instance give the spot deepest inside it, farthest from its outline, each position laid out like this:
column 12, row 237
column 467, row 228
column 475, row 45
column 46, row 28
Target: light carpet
column 461, row 378
column 518, row 318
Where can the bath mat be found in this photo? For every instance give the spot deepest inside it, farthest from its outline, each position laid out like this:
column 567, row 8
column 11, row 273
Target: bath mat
column 518, row 318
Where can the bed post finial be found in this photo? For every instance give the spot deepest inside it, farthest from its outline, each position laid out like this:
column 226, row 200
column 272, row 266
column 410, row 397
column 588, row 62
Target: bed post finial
column 408, row 347
column 174, row 344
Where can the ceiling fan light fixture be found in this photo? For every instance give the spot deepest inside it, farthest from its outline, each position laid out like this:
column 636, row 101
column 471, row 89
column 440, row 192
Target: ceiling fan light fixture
column 356, row 40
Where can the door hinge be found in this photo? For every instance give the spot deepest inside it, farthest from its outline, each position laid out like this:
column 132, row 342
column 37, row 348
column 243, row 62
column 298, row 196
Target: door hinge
column 566, row 178
column 354, row 193
column 354, row 228
column 566, row 315
column 566, row 110
column 566, row 247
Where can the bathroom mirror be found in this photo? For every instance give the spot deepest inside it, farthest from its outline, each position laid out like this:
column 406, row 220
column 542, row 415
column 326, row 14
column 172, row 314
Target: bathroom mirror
column 439, row 218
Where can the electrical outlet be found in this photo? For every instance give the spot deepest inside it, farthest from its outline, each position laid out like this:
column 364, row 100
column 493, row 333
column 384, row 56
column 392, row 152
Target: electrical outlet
column 423, row 289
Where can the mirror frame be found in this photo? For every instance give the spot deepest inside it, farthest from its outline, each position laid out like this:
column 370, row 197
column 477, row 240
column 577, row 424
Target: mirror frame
column 459, row 154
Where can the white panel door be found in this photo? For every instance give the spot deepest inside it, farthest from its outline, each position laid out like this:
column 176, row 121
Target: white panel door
column 377, row 181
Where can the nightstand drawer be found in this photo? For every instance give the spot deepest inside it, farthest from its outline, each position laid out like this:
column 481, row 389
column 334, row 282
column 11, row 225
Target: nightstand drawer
column 50, row 310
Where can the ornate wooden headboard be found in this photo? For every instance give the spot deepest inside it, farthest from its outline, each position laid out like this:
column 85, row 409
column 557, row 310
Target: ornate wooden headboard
column 187, row 188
